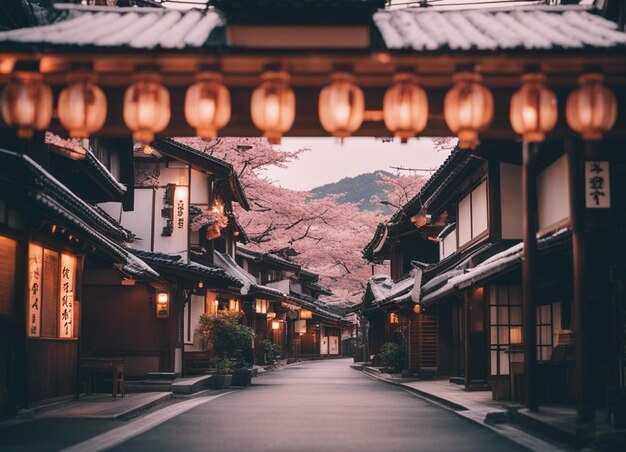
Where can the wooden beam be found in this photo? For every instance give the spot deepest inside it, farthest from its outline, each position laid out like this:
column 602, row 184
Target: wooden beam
column 529, row 273
column 582, row 307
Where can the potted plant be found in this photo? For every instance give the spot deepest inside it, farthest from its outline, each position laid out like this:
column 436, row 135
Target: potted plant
column 271, row 352
column 230, row 340
column 222, row 379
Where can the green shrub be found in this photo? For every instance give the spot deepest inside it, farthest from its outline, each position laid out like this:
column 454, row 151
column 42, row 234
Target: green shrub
column 229, row 337
column 270, row 350
column 223, row 366
column 392, row 356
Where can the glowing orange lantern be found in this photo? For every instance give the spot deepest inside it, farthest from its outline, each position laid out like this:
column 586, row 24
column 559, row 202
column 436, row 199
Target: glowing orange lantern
column 27, row 103
column 82, row 106
column 533, row 108
column 273, row 105
column 207, row 105
column 341, row 106
column 468, row 108
column 592, row 108
column 146, row 107
column 405, row 107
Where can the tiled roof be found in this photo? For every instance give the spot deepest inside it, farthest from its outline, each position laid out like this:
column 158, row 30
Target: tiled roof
column 22, row 177
column 411, row 29
column 379, row 233
column 134, row 28
column 530, row 28
column 385, row 291
column 173, row 262
column 248, row 282
column 460, row 278
column 175, row 149
column 89, row 164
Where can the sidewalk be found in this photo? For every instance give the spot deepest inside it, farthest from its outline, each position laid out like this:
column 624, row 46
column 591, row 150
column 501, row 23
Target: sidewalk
column 474, row 406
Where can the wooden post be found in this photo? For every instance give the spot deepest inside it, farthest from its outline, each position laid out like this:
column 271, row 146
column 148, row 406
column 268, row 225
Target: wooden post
column 529, row 273
column 581, row 307
column 466, row 340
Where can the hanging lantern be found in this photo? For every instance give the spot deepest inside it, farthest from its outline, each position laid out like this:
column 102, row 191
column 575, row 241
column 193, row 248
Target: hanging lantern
column 533, row 108
column 592, row 108
column 405, row 107
column 468, row 108
column 27, row 103
column 207, row 105
column 273, row 105
column 146, row 107
column 82, row 106
column 341, row 106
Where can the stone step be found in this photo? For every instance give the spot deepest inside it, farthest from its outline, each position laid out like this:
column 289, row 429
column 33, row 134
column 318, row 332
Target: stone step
column 179, row 386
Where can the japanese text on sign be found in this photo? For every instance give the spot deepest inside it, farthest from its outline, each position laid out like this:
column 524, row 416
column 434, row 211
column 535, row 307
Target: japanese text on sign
column 597, row 185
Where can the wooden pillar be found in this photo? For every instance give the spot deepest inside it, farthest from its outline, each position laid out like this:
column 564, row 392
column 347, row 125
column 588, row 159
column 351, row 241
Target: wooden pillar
column 466, row 339
column 581, row 308
column 529, row 272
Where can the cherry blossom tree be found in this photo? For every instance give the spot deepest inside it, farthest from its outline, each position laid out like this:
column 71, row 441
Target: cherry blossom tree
column 321, row 235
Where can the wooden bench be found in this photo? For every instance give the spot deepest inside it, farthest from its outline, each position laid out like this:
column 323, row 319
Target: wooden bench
column 115, row 366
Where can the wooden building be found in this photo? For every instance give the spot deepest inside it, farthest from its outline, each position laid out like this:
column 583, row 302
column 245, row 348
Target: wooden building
column 49, row 236
column 557, row 51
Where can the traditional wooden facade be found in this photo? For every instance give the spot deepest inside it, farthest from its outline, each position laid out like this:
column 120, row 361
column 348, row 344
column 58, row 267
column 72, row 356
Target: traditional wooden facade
column 558, row 43
column 182, row 217
column 50, row 235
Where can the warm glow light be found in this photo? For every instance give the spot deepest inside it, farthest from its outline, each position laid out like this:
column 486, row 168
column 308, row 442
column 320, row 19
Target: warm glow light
column 82, row 106
column 207, row 105
column 516, row 335
column 27, row 103
column 271, row 315
column 468, row 108
column 261, row 306
column 341, row 106
column 393, row 318
column 275, row 325
column 146, row 107
column 592, row 108
column 299, row 327
column 306, row 314
column 405, row 107
column 273, row 105
column 162, row 305
column 533, row 108
column 233, row 305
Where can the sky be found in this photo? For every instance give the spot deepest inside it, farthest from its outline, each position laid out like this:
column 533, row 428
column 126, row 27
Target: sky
column 329, row 161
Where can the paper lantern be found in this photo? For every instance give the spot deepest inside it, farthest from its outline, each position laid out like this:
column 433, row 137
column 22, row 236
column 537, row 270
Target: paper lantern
column 405, row 107
column 82, row 107
column 273, row 105
column 162, row 305
column 306, row 314
column 207, row 105
column 146, row 107
column 341, row 106
column 468, row 108
column 261, row 306
column 275, row 324
column 533, row 108
column 27, row 103
column 591, row 109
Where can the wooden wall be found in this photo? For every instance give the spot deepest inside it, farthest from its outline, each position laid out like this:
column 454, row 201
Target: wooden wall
column 121, row 321
column 52, row 368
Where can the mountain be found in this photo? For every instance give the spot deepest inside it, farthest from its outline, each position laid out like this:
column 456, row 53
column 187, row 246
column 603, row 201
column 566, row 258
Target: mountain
column 357, row 189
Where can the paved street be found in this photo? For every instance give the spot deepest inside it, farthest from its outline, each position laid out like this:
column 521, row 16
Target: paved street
column 318, row 406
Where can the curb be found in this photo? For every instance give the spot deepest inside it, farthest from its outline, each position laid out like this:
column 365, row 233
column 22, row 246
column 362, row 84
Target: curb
column 508, row 431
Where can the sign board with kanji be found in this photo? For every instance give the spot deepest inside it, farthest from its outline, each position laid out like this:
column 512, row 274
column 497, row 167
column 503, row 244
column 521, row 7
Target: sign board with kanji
column 597, row 185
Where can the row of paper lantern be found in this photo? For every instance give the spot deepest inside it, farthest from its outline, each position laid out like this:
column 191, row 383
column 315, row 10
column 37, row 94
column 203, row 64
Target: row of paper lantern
column 27, row 104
